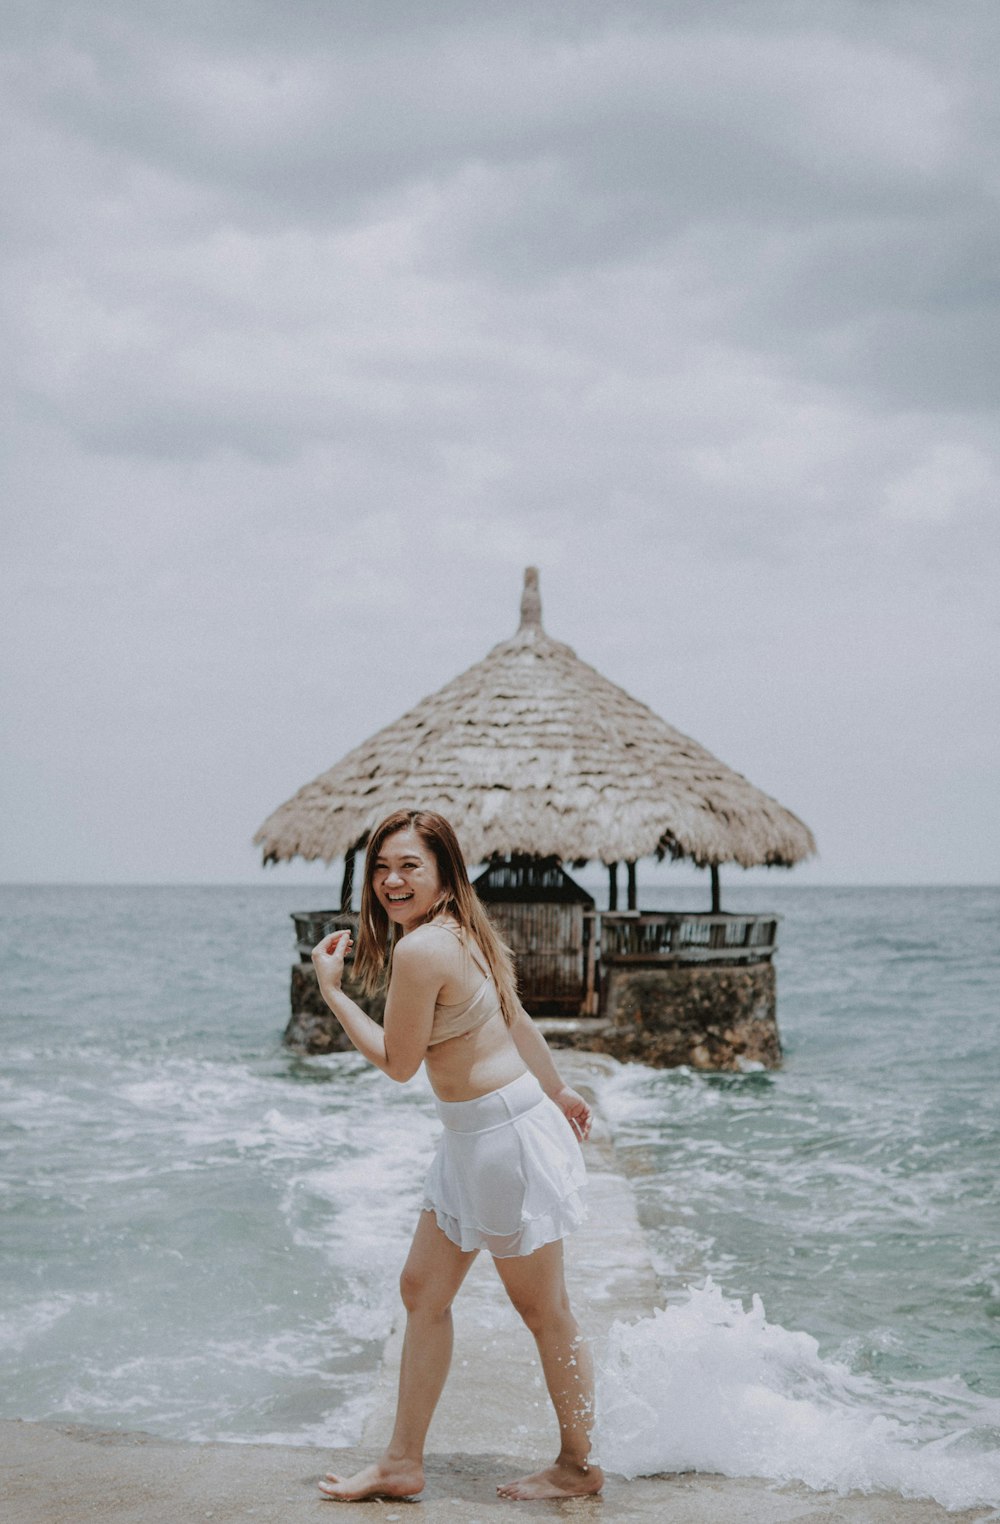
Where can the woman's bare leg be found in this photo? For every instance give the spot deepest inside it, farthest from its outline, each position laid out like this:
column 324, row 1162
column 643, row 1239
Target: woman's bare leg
column 435, row 1269
column 536, row 1285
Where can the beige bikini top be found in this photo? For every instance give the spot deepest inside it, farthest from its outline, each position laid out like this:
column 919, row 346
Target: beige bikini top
column 462, row 1016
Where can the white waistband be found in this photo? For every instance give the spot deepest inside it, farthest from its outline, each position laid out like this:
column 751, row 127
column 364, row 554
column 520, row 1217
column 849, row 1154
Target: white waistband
column 497, row 1108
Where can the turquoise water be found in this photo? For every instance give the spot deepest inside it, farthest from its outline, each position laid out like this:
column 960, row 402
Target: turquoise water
column 857, row 1190
column 202, row 1232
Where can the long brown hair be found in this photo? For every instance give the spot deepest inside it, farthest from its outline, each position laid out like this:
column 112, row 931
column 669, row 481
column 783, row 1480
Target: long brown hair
column 373, row 958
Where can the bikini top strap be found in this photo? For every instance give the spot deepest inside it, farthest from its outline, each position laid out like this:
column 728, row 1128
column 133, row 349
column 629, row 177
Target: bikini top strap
column 458, row 931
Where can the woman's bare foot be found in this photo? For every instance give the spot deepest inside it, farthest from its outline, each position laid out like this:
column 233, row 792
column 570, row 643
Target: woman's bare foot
column 385, row 1479
column 563, row 1480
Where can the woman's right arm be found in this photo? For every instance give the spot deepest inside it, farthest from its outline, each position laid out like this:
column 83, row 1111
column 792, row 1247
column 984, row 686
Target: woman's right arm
column 535, row 1052
column 397, row 1047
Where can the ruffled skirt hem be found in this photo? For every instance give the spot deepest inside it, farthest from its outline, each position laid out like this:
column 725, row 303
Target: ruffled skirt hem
column 532, row 1235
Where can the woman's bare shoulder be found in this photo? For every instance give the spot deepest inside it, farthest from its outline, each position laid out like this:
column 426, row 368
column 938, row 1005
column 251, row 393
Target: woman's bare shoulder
column 437, row 932
column 427, row 946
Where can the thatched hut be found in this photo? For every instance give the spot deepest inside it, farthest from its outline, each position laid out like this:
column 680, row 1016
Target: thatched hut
column 534, row 755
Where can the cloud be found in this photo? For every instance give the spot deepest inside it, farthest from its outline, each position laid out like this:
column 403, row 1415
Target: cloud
column 946, row 480
column 320, row 321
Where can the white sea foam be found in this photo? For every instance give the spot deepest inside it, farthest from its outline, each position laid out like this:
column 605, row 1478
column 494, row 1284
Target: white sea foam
column 341, row 1427
column 705, row 1385
column 259, row 1390
column 360, row 1211
column 32, row 1319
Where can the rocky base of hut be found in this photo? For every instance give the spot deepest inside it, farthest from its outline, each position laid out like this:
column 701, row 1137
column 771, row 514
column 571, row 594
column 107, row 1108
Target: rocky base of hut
column 707, row 1016
column 312, row 1026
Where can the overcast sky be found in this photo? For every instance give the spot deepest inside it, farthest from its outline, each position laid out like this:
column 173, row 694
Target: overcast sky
column 321, row 320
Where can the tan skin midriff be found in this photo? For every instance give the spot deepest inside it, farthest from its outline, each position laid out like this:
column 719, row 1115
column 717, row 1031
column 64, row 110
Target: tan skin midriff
column 474, row 1063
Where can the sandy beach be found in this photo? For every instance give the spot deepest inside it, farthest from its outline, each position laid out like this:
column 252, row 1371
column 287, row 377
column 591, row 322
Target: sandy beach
column 493, row 1424
column 58, row 1475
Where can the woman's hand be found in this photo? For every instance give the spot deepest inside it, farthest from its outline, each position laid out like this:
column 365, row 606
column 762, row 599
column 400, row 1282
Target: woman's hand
column 575, row 1109
column 328, row 958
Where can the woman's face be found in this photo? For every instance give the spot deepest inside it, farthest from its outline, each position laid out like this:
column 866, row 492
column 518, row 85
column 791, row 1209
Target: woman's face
column 406, row 880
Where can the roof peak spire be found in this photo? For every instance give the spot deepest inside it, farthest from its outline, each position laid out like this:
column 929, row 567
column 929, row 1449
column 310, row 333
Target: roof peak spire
column 531, row 601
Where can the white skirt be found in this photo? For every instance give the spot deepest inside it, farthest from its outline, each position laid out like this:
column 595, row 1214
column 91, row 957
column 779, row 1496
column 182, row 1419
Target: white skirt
column 508, row 1175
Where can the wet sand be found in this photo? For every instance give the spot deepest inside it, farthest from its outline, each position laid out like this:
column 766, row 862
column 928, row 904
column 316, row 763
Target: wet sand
column 494, row 1423
column 56, row 1475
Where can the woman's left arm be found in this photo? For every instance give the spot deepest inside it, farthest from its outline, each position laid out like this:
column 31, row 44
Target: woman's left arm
column 366, row 1035
column 536, row 1054
column 398, row 1046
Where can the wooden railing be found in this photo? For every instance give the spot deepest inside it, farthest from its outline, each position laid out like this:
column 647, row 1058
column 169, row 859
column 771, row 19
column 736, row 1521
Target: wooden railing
column 310, row 925
column 681, row 936
column 643, row 936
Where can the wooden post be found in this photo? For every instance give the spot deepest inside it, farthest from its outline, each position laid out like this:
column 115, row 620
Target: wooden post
column 612, row 886
column 631, row 886
column 347, row 883
column 590, row 996
column 715, row 889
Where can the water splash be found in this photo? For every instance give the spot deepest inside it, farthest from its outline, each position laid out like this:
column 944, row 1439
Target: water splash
column 705, row 1385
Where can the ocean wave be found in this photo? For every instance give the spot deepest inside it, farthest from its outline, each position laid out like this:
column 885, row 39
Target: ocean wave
column 706, row 1385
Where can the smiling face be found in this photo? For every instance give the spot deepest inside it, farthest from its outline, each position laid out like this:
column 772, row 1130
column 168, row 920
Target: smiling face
column 405, row 879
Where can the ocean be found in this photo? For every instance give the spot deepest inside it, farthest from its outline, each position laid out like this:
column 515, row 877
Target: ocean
column 201, row 1231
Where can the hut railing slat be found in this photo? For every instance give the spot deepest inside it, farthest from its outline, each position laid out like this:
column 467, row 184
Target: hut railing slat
column 686, row 937
column 559, row 959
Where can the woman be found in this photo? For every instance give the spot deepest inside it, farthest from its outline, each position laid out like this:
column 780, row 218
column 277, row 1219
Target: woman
column 508, row 1175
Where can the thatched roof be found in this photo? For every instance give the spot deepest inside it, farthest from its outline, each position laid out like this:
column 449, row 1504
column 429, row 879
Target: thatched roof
column 533, row 751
